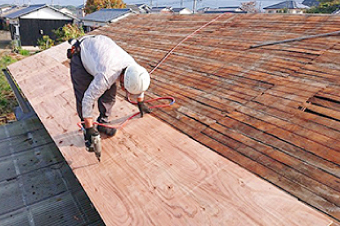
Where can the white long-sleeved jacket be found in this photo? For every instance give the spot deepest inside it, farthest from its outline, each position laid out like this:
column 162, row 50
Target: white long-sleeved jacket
column 105, row 60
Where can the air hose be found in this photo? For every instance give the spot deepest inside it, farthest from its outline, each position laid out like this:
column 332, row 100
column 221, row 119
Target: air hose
column 121, row 125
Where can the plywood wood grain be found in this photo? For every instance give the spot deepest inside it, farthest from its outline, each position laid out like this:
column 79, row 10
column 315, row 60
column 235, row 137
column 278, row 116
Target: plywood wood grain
column 152, row 174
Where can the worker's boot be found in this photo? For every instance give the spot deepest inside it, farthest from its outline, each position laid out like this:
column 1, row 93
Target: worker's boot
column 109, row 131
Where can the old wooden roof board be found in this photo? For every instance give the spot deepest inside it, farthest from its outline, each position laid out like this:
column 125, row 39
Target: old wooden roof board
column 241, row 103
column 273, row 110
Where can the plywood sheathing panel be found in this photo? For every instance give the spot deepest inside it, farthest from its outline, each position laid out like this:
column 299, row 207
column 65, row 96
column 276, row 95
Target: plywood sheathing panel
column 242, row 103
column 152, row 174
column 217, row 81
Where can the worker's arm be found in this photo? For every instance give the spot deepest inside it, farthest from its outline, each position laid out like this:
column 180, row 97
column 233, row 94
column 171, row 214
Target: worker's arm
column 96, row 88
column 141, row 105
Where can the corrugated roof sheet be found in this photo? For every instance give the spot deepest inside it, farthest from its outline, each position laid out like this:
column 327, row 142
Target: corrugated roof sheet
column 177, row 9
column 37, row 187
column 106, row 15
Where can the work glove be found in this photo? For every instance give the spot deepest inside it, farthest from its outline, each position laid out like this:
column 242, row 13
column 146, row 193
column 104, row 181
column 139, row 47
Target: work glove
column 69, row 53
column 109, row 131
column 143, row 108
column 89, row 132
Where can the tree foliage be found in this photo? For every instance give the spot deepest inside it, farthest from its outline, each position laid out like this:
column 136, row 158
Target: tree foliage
column 7, row 98
column 94, row 5
column 325, row 6
column 68, row 31
column 45, row 42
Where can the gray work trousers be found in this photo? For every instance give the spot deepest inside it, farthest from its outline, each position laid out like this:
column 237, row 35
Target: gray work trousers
column 81, row 81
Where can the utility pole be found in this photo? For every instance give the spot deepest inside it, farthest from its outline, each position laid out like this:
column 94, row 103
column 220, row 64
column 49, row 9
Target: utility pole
column 181, row 3
column 83, row 9
column 194, row 7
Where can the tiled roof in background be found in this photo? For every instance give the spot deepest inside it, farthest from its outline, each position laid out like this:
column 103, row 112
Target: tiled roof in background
column 25, row 11
column 106, row 15
column 287, row 5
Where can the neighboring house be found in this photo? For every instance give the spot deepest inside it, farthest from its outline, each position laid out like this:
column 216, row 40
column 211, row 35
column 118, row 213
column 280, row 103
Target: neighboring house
column 228, row 9
column 286, row 7
column 336, row 12
column 139, row 8
column 103, row 17
column 5, row 8
column 181, row 11
column 67, row 11
column 33, row 22
column 80, row 11
column 162, row 9
column 311, row 3
column 4, row 12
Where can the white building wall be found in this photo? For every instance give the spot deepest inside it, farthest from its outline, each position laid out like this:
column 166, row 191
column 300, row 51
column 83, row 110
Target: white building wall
column 185, row 11
column 292, row 11
column 93, row 24
column 46, row 13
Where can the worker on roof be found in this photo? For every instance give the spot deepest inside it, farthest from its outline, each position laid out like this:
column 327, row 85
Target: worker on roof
column 97, row 63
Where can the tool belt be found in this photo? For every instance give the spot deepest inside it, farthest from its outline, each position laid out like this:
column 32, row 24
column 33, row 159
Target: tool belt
column 75, row 49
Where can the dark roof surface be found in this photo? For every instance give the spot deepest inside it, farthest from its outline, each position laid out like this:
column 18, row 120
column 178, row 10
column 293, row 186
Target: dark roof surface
column 10, row 11
column 286, row 5
column 229, row 7
column 178, row 9
column 37, row 187
column 106, row 15
column 161, row 7
column 25, row 11
column 311, row 3
column 273, row 110
column 222, row 11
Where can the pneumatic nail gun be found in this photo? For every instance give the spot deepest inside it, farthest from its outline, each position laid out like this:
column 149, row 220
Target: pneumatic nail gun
column 96, row 145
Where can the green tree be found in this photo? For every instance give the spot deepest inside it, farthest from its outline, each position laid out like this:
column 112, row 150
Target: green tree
column 68, row 31
column 94, row 5
column 45, row 42
column 284, row 10
column 7, row 98
column 325, row 6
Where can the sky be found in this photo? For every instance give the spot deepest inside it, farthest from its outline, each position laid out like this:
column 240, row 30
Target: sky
column 173, row 3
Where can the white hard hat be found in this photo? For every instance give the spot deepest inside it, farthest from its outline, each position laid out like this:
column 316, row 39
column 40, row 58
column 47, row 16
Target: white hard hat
column 136, row 79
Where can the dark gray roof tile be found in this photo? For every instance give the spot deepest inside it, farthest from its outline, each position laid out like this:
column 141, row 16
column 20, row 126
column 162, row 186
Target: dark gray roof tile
column 106, row 15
